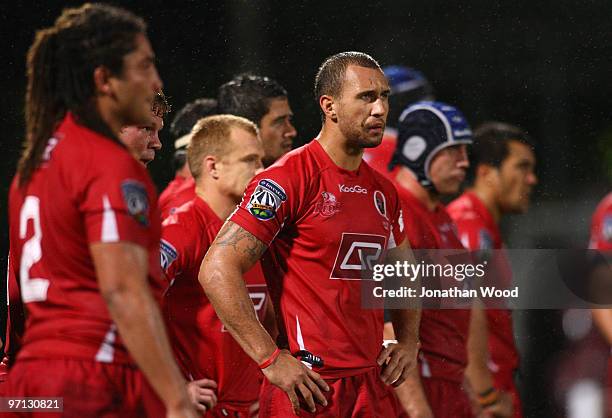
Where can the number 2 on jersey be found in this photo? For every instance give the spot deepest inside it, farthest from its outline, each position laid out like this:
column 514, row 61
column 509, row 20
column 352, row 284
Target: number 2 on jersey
column 32, row 289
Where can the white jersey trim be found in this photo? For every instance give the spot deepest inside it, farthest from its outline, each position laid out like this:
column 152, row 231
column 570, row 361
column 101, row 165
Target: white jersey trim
column 300, row 340
column 106, row 352
column 110, row 233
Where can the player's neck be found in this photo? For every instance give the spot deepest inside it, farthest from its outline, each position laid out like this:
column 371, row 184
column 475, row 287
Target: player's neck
column 108, row 115
column 334, row 144
column 184, row 172
column 220, row 203
column 487, row 197
column 408, row 181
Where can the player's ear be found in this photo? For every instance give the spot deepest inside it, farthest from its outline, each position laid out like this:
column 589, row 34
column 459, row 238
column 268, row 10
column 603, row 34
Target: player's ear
column 487, row 173
column 328, row 107
column 102, row 81
column 209, row 166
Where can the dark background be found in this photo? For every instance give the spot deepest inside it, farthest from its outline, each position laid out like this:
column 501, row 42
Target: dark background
column 543, row 65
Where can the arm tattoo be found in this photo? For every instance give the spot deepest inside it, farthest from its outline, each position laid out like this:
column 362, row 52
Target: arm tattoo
column 242, row 241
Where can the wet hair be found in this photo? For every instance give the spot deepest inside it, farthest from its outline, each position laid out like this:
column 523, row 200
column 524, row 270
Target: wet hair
column 193, row 111
column 60, row 67
column 491, row 144
column 210, row 136
column 249, row 96
column 161, row 106
column 184, row 121
column 330, row 77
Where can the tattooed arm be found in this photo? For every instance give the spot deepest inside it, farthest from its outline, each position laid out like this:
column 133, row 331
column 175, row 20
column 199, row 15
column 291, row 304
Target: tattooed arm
column 234, row 252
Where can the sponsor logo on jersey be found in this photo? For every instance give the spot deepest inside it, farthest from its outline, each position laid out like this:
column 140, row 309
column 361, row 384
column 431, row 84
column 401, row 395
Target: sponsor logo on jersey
column 267, row 197
column 357, row 256
column 380, row 203
column 327, row 206
column 136, row 200
column 168, row 254
column 352, row 189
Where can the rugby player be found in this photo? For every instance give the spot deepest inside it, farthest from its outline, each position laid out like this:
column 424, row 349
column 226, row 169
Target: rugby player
column 407, row 86
column 321, row 216
column 143, row 141
column 431, row 153
column 182, row 188
column 224, row 154
column 265, row 102
column 83, row 224
column 502, row 162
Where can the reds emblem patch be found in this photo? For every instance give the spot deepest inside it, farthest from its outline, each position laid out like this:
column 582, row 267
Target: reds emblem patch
column 327, row 206
column 267, row 197
column 167, row 253
column 136, row 200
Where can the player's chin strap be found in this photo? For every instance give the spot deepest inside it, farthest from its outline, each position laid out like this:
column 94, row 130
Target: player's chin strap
column 309, row 358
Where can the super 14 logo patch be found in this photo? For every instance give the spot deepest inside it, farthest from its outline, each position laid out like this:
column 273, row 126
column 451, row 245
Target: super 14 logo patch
column 266, row 199
column 167, row 253
column 136, row 200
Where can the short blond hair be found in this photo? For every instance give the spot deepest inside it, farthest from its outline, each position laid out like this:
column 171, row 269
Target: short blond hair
column 210, row 136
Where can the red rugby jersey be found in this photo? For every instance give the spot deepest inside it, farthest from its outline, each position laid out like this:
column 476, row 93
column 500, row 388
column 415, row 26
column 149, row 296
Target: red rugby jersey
column 88, row 189
column 478, row 231
column 179, row 191
column 443, row 332
column 204, row 348
column 323, row 225
column 170, row 191
column 601, row 225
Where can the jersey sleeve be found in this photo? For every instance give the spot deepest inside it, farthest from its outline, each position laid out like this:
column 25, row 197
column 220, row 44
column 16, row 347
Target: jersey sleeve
column 269, row 203
column 175, row 247
column 413, row 228
column 473, row 235
column 117, row 200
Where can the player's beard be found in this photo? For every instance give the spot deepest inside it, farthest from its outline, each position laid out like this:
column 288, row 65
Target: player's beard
column 357, row 137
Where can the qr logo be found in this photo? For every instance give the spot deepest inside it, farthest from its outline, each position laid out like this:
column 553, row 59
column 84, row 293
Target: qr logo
column 357, row 256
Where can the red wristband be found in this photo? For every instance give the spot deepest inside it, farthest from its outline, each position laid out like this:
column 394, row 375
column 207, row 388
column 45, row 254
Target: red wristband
column 270, row 359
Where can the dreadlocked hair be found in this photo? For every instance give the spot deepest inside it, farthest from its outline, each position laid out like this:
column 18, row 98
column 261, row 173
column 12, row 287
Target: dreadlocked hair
column 60, row 67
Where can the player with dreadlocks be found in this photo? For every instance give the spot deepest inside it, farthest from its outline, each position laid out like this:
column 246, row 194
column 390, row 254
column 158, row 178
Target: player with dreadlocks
column 84, row 226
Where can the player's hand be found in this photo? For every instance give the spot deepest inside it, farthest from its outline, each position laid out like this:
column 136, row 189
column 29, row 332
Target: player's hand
column 202, row 394
column 397, row 360
column 297, row 380
column 254, row 410
column 503, row 408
